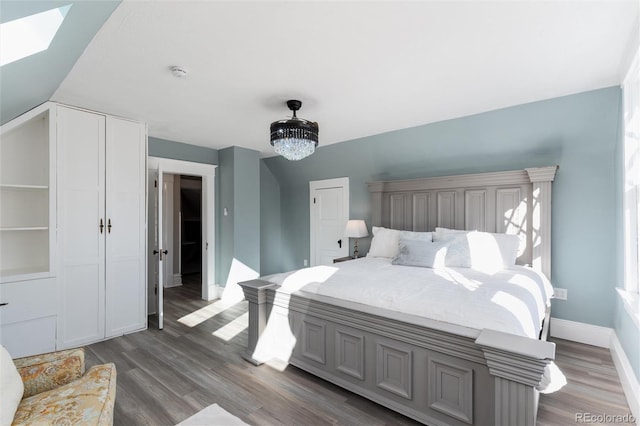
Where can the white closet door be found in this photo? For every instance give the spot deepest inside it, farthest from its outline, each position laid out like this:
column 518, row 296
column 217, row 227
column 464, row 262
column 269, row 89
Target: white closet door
column 126, row 294
column 81, row 147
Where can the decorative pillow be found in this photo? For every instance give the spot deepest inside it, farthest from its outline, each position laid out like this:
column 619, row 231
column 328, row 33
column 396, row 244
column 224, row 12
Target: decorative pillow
column 385, row 241
column 11, row 387
column 458, row 251
column 484, row 251
column 425, row 254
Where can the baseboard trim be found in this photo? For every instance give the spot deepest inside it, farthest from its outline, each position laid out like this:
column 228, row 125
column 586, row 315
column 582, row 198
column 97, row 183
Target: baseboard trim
column 580, row 332
column 215, row 292
column 603, row 337
column 627, row 376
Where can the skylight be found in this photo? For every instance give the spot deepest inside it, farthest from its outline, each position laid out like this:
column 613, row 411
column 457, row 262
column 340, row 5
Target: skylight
column 29, row 35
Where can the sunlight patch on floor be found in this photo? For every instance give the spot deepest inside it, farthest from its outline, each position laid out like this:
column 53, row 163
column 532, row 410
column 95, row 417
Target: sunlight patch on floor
column 203, row 314
column 277, row 364
column 233, row 328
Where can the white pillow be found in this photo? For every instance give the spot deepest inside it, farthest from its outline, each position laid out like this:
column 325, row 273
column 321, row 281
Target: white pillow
column 441, row 234
column 486, row 251
column 426, row 254
column 11, row 387
column 385, row 241
column 458, row 252
column 492, row 252
column 417, row 236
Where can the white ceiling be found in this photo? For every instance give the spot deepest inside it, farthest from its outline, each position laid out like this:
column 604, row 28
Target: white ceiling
column 360, row 68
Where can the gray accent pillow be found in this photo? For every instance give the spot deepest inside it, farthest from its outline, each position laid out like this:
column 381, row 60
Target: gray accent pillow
column 425, row 254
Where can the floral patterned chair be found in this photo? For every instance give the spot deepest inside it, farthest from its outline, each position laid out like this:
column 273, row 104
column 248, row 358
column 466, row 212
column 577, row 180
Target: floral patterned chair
column 57, row 390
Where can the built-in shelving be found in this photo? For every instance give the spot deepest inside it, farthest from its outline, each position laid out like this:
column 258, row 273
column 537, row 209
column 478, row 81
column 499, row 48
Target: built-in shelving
column 27, row 156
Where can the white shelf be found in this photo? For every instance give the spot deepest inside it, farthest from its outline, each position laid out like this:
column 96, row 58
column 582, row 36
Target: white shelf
column 25, row 187
column 24, row 274
column 25, row 228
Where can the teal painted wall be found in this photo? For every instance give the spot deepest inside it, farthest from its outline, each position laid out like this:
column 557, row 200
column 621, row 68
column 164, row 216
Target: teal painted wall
column 239, row 229
column 246, row 206
column 577, row 132
column 181, row 151
column 270, row 222
column 225, row 224
column 27, row 83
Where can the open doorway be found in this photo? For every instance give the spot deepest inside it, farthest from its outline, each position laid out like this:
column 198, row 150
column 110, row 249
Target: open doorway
column 188, row 223
column 180, row 231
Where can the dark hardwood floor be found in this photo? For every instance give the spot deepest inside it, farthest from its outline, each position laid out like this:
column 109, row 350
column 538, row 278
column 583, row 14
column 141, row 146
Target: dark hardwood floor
column 166, row 376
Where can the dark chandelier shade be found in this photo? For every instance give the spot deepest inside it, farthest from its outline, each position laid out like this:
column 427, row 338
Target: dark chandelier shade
column 295, row 138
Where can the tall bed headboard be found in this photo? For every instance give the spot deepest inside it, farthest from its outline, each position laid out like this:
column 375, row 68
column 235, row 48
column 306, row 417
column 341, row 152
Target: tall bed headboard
column 514, row 202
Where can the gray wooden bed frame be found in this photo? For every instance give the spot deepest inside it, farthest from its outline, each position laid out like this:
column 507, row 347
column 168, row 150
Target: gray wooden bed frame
column 437, row 373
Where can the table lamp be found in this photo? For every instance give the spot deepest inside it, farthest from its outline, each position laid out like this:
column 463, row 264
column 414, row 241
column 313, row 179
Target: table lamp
column 356, row 229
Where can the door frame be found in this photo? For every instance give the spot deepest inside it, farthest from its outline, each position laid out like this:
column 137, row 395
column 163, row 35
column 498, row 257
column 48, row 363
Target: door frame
column 207, row 172
column 315, row 185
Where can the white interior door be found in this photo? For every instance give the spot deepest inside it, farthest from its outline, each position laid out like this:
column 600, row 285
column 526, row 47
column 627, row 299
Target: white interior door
column 329, row 208
column 159, row 251
column 152, row 242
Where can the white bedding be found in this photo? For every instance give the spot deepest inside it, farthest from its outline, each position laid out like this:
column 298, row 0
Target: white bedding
column 512, row 300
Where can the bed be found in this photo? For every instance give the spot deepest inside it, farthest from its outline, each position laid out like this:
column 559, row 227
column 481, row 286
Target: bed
column 446, row 359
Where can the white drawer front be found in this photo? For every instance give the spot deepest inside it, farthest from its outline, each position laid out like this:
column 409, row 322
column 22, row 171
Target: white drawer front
column 27, row 300
column 31, row 337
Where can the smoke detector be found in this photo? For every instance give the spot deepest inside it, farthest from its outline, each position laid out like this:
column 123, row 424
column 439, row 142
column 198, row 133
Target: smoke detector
column 179, row 72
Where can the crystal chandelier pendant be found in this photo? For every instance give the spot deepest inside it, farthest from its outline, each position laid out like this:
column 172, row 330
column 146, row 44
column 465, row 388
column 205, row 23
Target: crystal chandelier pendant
column 296, row 138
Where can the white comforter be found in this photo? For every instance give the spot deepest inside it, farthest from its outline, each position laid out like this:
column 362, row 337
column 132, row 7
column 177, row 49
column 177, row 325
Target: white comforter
column 512, row 300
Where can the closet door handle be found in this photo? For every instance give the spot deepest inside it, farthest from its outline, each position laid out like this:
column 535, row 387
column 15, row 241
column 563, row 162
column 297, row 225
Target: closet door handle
column 109, row 226
column 161, row 252
column 101, row 226
column 4, row 303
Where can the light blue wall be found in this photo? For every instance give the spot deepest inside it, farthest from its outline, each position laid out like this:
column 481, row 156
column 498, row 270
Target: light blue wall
column 246, row 204
column 238, row 230
column 27, row 83
column 181, row 151
column 225, row 224
column 270, row 222
column 577, row 132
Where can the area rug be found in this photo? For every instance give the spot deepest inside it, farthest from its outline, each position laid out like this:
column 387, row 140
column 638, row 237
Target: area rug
column 213, row 415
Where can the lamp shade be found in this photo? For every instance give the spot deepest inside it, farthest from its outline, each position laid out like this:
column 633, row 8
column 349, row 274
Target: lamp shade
column 356, row 229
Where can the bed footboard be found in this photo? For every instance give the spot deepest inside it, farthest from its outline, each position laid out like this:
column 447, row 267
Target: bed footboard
column 429, row 374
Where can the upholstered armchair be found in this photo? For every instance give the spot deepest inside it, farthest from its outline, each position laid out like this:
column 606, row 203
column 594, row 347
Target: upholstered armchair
column 57, row 390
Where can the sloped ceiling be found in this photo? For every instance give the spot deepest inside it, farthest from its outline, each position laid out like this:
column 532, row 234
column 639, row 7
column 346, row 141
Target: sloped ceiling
column 360, row 68
column 31, row 81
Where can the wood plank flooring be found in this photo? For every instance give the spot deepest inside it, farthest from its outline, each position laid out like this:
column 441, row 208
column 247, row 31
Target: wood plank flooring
column 166, row 376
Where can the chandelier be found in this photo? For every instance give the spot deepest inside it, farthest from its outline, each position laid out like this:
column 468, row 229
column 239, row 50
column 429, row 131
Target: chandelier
column 295, row 138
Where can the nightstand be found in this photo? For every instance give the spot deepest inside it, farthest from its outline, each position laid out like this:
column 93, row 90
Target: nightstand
column 343, row 259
